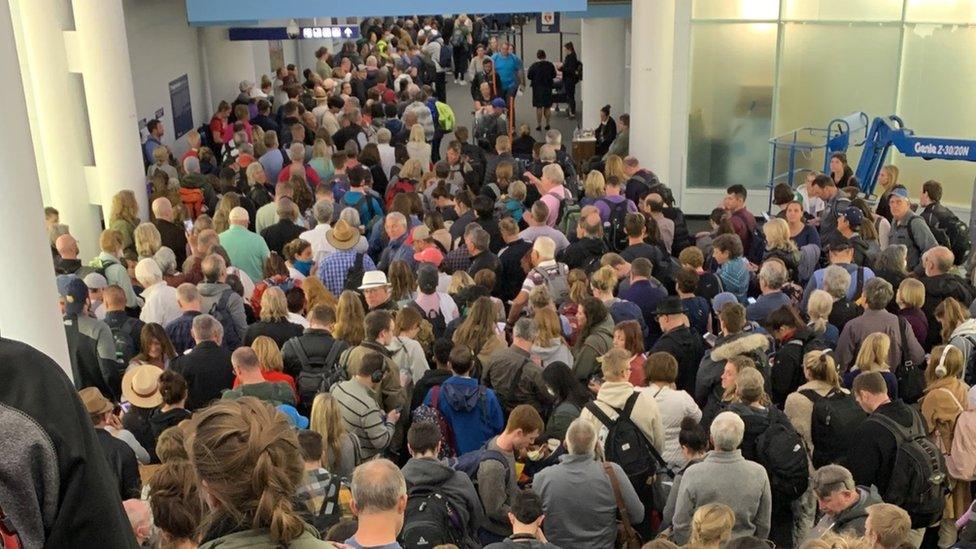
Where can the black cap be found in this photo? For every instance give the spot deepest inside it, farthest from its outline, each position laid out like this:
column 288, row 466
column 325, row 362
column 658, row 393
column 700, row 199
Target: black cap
column 670, row 305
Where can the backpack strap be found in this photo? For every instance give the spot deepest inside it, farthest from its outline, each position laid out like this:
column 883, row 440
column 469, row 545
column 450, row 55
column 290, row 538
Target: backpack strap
column 300, row 351
column 901, row 433
column 629, row 405
column 599, row 414
column 332, row 357
column 859, row 287
column 621, row 506
column 903, row 333
column 517, row 378
column 435, row 396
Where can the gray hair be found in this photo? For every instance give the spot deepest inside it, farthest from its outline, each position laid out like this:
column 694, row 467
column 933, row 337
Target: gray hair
column 892, row 259
column 239, row 216
column 836, row 281
column 397, row 218
column 554, row 173
column 831, row 479
column 323, row 210
column 554, row 138
column 377, row 486
column 480, row 238
column 383, row 136
column 526, row 328
column 187, row 293
column 207, row 328
column 547, row 153
column 877, row 293
column 580, row 437
column 212, row 267
column 727, row 431
column 148, row 272
column 296, row 152
column 166, row 259
column 191, row 164
column 350, row 216
column 774, row 274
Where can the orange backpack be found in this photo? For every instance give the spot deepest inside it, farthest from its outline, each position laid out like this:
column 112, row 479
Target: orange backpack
column 193, row 201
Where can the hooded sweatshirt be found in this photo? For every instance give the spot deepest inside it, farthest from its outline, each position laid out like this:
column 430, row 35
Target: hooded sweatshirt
column 556, row 351
column 453, row 485
column 472, row 411
column 964, row 339
column 598, row 342
column 210, row 294
column 159, row 420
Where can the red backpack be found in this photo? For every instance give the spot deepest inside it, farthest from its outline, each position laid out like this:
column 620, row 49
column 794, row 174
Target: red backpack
column 193, row 201
column 401, row 186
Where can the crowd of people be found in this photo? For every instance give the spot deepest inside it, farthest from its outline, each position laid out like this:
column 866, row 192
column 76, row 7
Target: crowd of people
column 325, row 335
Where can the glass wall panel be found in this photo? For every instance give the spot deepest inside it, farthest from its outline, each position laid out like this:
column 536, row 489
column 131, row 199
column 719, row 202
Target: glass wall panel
column 735, row 9
column 937, row 83
column 731, row 104
column 842, row 10
column 819, row 79
column 941, row 11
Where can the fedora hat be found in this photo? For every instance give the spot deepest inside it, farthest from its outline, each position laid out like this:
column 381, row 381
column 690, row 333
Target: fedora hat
column 342, row 236
column 94, row 401
column 669, row 306
column 320, row 94
column 374, row 279
column 140, row 386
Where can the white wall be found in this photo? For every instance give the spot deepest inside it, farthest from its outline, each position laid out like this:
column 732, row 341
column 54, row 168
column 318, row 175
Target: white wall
column 162, row 47
column 228, row 62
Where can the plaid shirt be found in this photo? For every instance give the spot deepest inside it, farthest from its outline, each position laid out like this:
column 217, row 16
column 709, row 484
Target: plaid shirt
column 317, row 487
column 336, row 265
column 457, row 259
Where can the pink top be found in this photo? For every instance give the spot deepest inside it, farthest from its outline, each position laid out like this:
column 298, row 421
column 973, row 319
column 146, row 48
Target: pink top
column 550, row 199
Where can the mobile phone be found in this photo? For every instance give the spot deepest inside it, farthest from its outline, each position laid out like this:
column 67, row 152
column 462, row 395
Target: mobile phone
column 751, row 300
column 710, row 338
column 188, row 224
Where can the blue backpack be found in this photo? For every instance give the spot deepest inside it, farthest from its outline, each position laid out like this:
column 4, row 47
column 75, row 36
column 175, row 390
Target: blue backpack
column 470, row 462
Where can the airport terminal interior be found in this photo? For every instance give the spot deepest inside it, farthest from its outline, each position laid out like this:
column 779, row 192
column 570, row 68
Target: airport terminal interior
column 455, row 274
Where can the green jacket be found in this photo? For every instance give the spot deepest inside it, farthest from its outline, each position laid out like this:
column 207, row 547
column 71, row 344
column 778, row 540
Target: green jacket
column 260, row 538
column 247, row 251
column 596, row 344
column 273, row 393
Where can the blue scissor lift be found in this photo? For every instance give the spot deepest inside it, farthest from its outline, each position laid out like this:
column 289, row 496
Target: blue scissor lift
column 836, row 137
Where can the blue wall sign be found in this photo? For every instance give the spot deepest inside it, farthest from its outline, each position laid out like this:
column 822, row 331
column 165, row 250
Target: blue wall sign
column 179, row 97
column 547, row 22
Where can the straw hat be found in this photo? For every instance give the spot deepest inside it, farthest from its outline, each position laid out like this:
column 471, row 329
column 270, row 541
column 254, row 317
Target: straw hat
column 342, row 236
column 140, row 386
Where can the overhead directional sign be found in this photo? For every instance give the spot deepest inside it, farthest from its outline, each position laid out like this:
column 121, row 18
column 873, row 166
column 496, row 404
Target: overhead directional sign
column 343, row 32
column 547, row 22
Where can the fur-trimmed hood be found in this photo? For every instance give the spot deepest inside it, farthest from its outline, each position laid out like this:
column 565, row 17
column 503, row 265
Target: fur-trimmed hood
column 739, row 344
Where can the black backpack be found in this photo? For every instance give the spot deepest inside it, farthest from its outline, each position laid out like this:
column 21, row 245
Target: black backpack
column 780, row 449
column 757, row 245
column 615, row 235
column 911, row 378
column 354, row 276
column 951, row 232
column 626, row 444
column 221, row 312
column 436, row 318
column 918, row 482
column 330, row 512
column 834, row 421
column 429, row 520
column 127, row 339
column 446, row 57
column 317, row 374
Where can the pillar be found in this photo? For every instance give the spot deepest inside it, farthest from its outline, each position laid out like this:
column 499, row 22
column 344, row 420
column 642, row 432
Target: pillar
column 103, row 60
column 602, row 53
column 56, row 102
column 28, row 311
column 651, row 79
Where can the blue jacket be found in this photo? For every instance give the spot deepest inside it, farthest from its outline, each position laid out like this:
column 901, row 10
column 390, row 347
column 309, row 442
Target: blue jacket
column 472, row 411
column 735, row 277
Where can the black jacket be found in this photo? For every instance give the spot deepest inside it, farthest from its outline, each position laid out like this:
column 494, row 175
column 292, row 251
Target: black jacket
column 122, row 462
column 484, row 260
column 136, row 421
column 66, row 266
column 173, row 236
column 490, row 225
column 787, row 371
column 581, row 253
column 159, row 421
column 207, row 370
column 430, row 379
column 281, row 233
column 937, row 288
column 872, row 456
column 845, row 311
column 280, row 331
column 605, row 133
column 58, row 489
column 685, row 345
column 316, row 343
column 511, row 275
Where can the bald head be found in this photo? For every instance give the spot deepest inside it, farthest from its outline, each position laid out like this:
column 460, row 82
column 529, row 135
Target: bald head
column 67, row 246
column 162, row 208
column 938, row 260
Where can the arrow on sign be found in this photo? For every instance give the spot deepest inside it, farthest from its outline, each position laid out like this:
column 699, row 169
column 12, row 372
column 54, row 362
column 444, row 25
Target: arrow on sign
column 347, row 31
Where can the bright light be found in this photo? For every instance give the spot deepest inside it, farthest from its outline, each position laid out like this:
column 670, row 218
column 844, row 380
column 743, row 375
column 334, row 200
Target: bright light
column 759, row 9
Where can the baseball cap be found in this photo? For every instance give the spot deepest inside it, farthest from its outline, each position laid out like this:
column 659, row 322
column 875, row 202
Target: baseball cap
column 431, row 255
column 95, row 281
column 297, row 420
column 900, row 192
column 498, row 103
column 74, row 292
column 853, row 216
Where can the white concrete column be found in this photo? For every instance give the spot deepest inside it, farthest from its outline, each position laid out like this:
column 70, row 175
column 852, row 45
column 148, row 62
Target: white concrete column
column 103, row 60
column 55, row 102
column 602, row 53
column 651, row 79
column 29, row 311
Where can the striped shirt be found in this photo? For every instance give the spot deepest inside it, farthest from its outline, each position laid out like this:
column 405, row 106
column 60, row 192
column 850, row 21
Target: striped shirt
column 362, row 417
